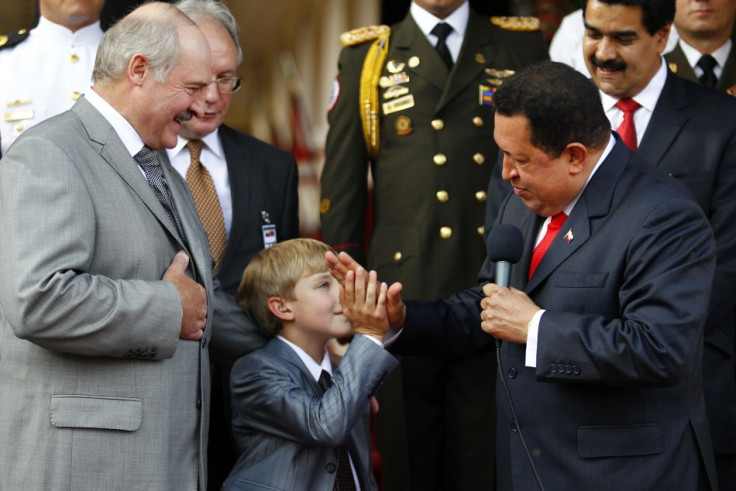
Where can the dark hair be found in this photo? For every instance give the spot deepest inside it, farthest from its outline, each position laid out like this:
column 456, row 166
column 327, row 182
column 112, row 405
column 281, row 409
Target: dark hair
column 561, row 104
column 655, row 13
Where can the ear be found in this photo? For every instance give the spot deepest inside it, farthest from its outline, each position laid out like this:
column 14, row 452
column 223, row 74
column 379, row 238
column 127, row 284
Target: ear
column 661, row 36
column 576, row 155
column 280, row 309
column 137, row 69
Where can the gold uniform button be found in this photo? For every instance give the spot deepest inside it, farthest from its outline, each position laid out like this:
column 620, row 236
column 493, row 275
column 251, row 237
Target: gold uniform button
column 440, row 159
column 481, row 230
column 478, row 121
column 445, row 232
column 75, row 95
column 73, row 58
column 479, row 158
column 438, row 124
column 397, row 256
column 443, row 196
column 22, row 31
column 324, row 206
column 481, row 196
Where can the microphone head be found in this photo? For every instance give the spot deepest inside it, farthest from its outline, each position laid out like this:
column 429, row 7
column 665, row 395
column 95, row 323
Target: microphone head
column 505, row 243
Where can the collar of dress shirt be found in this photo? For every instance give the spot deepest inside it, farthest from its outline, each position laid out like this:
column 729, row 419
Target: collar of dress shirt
column 60, row 35
column 314, row 368
column 132, row 141
column 693, row 55
column 212, row 143
column 648, row 97
column 426, row 22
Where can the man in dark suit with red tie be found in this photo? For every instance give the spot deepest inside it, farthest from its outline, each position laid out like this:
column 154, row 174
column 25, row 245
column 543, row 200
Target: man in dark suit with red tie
column 601, row 344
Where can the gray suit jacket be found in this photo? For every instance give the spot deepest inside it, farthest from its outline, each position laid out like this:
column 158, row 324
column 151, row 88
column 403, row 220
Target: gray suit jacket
column 98, row 391
column 287, row 429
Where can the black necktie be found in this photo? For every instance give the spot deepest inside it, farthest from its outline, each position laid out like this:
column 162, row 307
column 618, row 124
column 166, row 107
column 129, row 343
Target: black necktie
column 344, row 480
column 148, row 160
column 442, row 30
column 708, row 78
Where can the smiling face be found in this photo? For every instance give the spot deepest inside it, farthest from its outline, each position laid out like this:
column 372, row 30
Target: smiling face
column 621, row 55
column 316, row 310
column 545, row 184
column 224, row 64
column 164, row 104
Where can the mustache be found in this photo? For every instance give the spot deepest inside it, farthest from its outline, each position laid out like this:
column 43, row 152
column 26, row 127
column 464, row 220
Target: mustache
column 184, row 116
column 613, row 65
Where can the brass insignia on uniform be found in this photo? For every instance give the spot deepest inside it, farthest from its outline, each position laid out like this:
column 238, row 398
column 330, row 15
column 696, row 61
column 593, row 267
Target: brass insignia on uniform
column 414, row 62
column 399, row 104
column 479, row 58
column 3, row 40
column 22, row 31
column 395, row 91
column 75, row 95
column 394, row 79
column 18, row 115
column 18, row 102
column 673, row 67
column 731, row 90
column 324, row 206
column 516, row 23
column 395, row 66
column 363, row 34
column 403, row 126
column 496, row 82
column 496, row 73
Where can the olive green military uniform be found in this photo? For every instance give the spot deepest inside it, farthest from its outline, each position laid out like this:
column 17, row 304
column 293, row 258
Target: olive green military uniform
column 431, row 173
column 677, row 62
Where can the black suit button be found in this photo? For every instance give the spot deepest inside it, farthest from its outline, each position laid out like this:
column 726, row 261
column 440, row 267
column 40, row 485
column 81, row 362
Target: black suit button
column 514, row 427
column 512, row 372
column 204, row 342
column 575, row 370
column 568, row 369
column 561, row 368
column 199, row 403
column 553, row 368
column 331, row 468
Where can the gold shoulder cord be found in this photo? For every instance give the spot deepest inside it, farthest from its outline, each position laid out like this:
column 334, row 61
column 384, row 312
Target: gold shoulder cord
column 372, row 67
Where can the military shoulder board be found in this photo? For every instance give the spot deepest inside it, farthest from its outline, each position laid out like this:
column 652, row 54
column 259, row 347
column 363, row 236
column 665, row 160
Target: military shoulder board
column 363, row 34
column 516, row 23
column 13, row 38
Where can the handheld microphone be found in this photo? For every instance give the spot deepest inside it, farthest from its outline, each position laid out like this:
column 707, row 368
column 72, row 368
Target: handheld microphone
column 505, row 246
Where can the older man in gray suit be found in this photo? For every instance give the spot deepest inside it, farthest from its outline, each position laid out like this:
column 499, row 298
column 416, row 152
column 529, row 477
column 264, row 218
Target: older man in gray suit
column 107, row 291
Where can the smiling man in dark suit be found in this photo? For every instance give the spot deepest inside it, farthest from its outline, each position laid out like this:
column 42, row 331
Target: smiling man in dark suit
column 601, row 346
column 249, row 202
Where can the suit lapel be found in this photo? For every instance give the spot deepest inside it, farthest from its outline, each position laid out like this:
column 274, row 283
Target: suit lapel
column 283, row 351
column 667, row 120
column 409, row 41
column 475, row 55
column 116, row 155
column 728, row 77
column 593, row 203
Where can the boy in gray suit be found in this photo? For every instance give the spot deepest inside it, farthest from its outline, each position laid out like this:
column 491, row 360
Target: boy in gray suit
column 297, row 424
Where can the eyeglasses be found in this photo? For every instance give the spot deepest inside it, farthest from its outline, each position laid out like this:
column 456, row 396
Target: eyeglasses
column 229, row 85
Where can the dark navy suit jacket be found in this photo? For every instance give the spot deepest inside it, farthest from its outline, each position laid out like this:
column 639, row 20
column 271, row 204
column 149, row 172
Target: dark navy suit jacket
column 616, row 400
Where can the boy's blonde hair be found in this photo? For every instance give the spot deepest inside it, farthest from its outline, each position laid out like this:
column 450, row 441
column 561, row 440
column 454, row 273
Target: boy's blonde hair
column 274, row 272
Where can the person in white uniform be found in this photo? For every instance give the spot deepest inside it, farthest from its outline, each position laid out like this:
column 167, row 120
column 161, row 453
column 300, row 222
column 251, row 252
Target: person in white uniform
column 45, row 70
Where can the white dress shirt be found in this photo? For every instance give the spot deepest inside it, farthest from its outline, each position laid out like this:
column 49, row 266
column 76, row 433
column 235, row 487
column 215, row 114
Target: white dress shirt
column 720, row 55
column 44, row 75
column 458, row 20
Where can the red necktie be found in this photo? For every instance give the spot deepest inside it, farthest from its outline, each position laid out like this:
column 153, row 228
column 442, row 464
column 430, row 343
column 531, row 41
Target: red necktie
column 627, row 130
column 554, row 226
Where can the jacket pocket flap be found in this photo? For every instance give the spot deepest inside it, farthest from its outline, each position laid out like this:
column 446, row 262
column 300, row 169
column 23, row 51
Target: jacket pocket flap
column 619, row 441
column 108, row 413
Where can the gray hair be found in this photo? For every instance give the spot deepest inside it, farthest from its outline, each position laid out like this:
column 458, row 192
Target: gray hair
column 153, row 35
column 203, row 10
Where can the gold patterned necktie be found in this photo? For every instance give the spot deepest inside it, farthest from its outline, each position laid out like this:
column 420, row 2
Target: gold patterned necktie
column 207, row 203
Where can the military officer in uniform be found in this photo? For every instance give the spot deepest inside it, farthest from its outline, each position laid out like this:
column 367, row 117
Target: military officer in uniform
column 415, row 101
column 705, row 52
column 45, row 70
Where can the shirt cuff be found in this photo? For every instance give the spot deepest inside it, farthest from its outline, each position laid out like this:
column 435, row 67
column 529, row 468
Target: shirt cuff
column 531, row 339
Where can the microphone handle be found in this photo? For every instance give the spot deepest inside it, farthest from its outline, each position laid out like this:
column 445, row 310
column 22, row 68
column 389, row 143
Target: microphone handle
column 503, row 272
